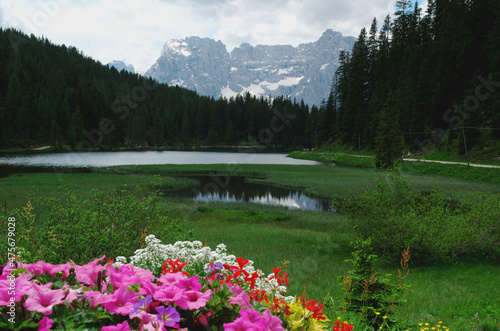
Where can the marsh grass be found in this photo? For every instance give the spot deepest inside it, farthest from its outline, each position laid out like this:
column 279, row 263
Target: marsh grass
column 309, row 241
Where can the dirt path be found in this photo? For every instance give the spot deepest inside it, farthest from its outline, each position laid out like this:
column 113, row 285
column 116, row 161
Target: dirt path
column 40, row 148
column 436, row 161
column 462, row 163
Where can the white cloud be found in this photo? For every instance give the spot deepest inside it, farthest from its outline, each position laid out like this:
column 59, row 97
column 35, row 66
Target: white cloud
column 135, row 31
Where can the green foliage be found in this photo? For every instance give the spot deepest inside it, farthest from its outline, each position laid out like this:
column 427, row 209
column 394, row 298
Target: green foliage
column 56, row 229
column 243, row 216
column 388, row 141
column 437, row 230
column 54, row 95
column 436, row 72
column 369, row 293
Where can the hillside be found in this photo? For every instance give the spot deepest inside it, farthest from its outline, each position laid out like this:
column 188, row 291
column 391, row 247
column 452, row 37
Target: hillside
column 55, row 95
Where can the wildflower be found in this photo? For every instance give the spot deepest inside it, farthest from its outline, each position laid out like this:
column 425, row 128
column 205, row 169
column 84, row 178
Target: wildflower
column 273, row 322
column 41, row 299
column 252, row 279
column 259, row 296
column 280, row 278
column 342, row 326
column 377, row 313
column 142, row 304
column 168, row 294
column 42, row 267
column 240, row 324
column 119, row 327
column 89, row 273
column 193, row 299
column 190, row 284
column 45, row 324
column 254, row 317
column 174, row 266
column 96, row 298
column 22, row 285
column 169, row 316
column 122, row 302
column 238, row 270
column 171, row 278
column 240, row 298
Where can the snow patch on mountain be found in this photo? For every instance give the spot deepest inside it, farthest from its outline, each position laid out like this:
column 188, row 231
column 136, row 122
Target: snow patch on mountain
column 203, row 64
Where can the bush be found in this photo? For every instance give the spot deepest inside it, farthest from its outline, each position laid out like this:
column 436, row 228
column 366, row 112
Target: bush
column 370, row 294
column 436, row 230
column 67, row 226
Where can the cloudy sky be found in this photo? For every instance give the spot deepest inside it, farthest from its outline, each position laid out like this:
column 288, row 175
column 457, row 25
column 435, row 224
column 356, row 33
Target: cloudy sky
column 134, row 31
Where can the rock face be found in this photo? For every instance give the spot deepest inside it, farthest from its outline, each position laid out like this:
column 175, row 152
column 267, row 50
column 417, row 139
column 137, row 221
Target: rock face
column 302, row 72
column 120, row 65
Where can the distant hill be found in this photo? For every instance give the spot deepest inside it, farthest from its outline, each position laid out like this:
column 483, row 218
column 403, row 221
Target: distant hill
column 120, row 65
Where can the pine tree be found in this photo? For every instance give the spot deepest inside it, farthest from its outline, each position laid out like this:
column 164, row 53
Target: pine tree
column 388, row 141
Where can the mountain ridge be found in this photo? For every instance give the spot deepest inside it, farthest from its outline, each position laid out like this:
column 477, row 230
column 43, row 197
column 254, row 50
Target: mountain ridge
column 205, row 65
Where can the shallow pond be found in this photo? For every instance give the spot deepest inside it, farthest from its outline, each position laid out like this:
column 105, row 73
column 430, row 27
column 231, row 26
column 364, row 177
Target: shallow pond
column 236, row 188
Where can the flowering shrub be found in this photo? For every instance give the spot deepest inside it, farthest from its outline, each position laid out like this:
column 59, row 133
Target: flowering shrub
column 103, row 296
column 202, row 260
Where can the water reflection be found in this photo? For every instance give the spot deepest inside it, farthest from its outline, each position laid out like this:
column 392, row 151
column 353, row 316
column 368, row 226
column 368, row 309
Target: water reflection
column 235, row 189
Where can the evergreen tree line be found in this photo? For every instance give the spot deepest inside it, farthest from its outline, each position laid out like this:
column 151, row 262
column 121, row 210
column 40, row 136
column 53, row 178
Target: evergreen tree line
column 421, row 75
column 55, row 95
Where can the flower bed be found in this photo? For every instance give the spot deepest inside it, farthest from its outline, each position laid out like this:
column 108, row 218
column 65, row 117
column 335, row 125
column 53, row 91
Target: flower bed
column 164, row 287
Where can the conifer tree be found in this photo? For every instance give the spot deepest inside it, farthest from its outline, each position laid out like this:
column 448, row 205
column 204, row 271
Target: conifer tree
column 389, row 140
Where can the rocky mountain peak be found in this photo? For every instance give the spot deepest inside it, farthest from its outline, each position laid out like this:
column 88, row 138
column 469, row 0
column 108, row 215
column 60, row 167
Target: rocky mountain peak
column 203, row 64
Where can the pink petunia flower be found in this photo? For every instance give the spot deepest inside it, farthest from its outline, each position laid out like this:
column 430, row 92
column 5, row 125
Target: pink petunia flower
column 118, row 327
column 240, row 298
column 148, row 321
column 254, row 317
column 241, row 324
column 41, row 298
column 273, row 322
column 96, row 298
column 45, row 324
column 71, row 294
column 193, row 299
column 122, row 302
column 42, row 267
column 89, row 273
column 14, row 288
column 168, row 294
column 171, row 278
column 147, row 287
column 190, row 284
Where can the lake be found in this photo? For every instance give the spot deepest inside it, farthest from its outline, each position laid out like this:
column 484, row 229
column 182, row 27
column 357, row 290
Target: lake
column 107, row 159
column 210, row 188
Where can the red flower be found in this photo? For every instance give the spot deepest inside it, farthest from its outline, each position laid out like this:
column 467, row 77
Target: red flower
column 281, row 279
column 252, row 279
column 258, row 295
column 238, row 270
column 344, row 327
column 280, row 304
column 316, row 309
column 174, row 266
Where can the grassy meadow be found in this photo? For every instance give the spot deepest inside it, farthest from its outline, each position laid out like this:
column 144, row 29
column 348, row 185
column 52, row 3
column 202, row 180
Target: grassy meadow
column 309, row 245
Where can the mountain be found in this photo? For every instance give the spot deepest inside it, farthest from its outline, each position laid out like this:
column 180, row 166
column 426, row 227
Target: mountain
column 120, row 65
column 203, row 64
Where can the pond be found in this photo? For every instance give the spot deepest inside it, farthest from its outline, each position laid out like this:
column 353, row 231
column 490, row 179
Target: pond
column 237, row 188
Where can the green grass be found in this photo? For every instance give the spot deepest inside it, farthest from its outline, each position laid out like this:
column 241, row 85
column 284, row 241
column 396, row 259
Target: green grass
column 309, row 241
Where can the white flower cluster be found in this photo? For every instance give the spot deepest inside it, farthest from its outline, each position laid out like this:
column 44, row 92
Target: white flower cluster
column 199, row 258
